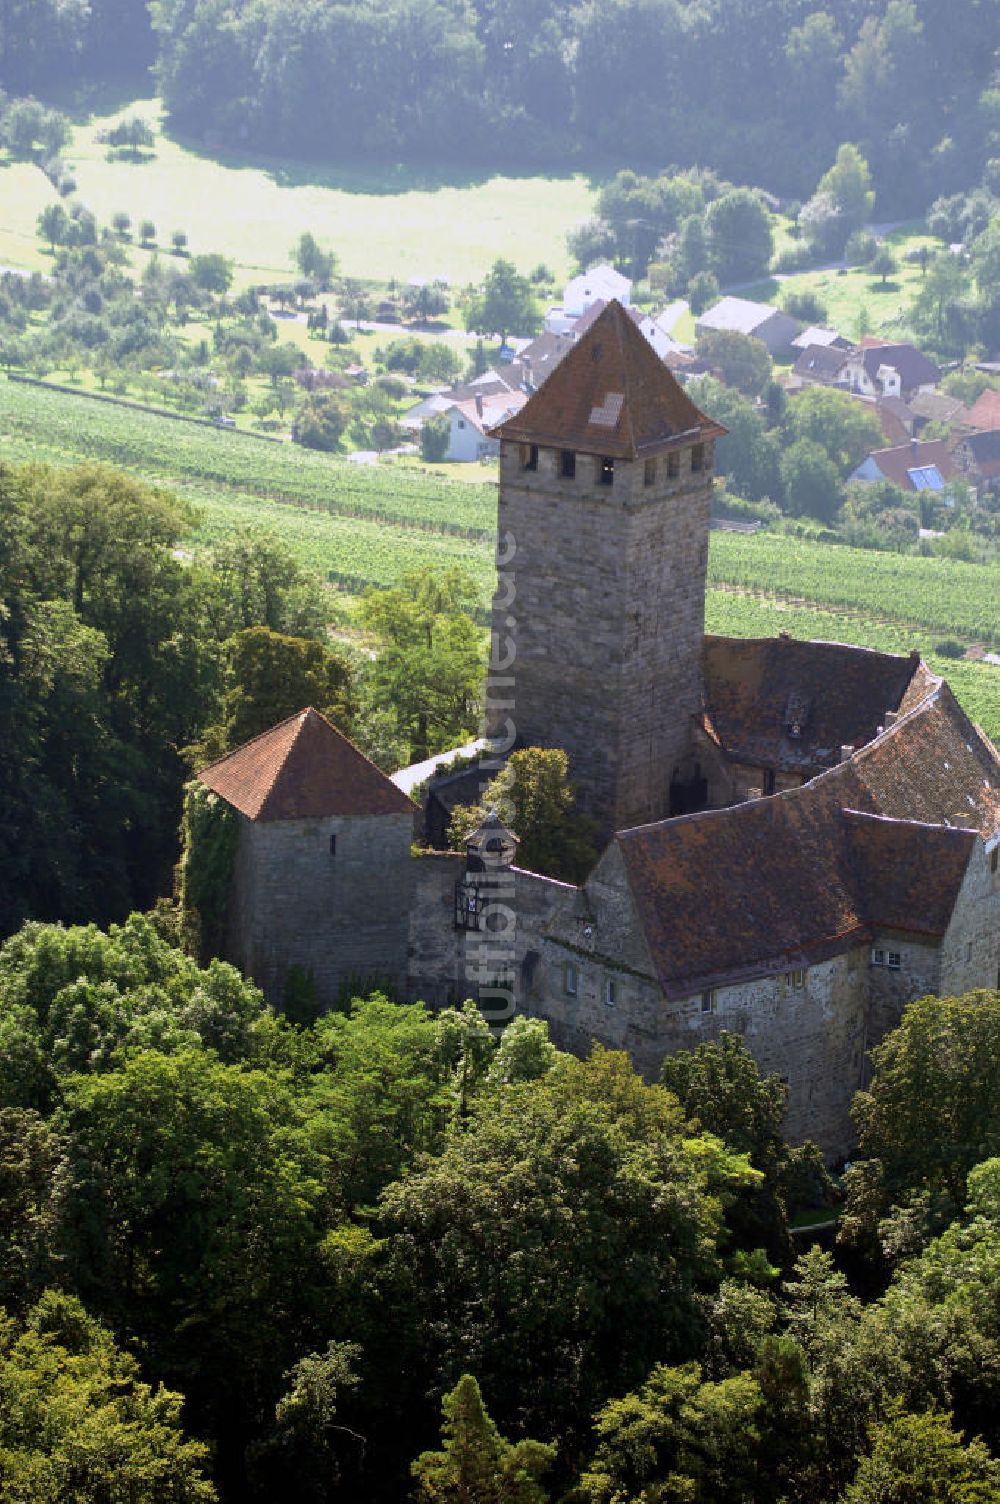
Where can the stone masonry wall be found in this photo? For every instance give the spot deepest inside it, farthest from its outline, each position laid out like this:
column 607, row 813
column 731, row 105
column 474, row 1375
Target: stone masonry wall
column 342, row 916
column 970, row 950
column 605, row 624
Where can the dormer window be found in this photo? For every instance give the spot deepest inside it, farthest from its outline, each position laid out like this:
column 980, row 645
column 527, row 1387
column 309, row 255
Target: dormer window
column 567, row 463
column 606, row 471
column 529, row 456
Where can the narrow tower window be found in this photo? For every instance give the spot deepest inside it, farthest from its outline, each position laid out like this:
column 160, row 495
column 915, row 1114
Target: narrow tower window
column 529, row 456
column 697, row 458
column 649, row 473
column 606, row 471
column 673, row 465
column 333, row 845
column 567, row 463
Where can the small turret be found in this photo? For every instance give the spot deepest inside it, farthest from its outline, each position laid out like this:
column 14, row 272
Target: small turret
column 491, row 845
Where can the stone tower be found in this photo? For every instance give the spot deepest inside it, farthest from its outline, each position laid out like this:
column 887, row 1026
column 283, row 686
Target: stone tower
column 598, row 619
column 322, row 877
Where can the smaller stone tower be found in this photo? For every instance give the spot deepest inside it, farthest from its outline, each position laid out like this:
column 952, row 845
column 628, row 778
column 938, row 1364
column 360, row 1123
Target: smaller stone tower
column 322, row 877
column 599, row 615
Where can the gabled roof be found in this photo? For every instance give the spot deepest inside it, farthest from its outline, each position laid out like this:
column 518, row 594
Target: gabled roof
column 781, row 883
column 896, row 463
column 984, row 447
column 817, row 335
column 933, row 765
column 908, row 874
column 611, row 395
column 740, row 315
column 914, row 367
column 838, row 695
column 483, row 412
column 303, row 769
column 822, row 363
column 985, row 411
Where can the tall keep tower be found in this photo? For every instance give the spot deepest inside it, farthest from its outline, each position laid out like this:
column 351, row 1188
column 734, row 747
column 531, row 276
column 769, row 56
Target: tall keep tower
column 598, row 619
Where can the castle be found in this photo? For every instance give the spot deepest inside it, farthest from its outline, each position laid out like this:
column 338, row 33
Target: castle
column 799, row 837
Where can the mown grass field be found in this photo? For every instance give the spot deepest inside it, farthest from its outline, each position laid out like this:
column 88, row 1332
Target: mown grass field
column 362, row 525
column 397, row 223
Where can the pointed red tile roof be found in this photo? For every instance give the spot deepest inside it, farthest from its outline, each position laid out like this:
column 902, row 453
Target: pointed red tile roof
column 611, row 395
column 302, row 769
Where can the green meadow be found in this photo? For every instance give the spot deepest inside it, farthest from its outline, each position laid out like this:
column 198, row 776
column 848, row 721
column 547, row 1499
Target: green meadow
column 396, row 222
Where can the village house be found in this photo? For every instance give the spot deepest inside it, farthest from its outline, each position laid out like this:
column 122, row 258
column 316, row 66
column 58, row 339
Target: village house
column 798, row 837
column 599, row 284
column 759, row 320
column 976, row 457
column 471, row 421
column 880, row 369
column 913, row 466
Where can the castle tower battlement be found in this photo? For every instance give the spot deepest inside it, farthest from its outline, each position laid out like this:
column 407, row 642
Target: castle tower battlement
column 603, row 515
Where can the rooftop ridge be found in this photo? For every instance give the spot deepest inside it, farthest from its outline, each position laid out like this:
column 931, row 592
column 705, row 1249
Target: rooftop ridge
column 610, row 395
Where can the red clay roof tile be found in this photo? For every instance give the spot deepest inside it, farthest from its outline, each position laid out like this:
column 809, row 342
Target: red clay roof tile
column 610, row 395
column 303, row 768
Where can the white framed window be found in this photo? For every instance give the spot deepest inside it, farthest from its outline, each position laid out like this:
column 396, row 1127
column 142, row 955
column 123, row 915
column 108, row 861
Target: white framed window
column 893, row 960
column 878, row 957
column 611, row 992
column 571, row 979
column 708, row 1001
column 796, row 980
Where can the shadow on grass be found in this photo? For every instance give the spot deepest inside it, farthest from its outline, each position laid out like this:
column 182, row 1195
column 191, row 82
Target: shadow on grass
column 370, row 176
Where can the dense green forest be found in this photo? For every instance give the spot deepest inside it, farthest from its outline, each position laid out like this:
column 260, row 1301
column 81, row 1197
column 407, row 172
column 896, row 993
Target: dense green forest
column 309, row 1233
column 761, row 90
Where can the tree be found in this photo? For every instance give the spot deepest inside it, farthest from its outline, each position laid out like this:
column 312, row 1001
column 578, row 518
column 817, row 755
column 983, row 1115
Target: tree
column 271, row 676
column 179, row 241
column 429, row 666
column 702, row 291
column 533, row 795
column 883, row 264
column 931, row 1112
column 435, row 436
column 922, row 1457
column 122, row 223
column 309, row 1449
column 812, row 485
column 678, row 1438
column 591, row 241
column 505, row 305
column 739, row 236
column 212, row 272
column 843, row 201
column 476, row 1465
column 76, row 1408
column 600, row 1259
column 193, row 1215
column 425, row 300
column 313, row 262
column 721, row 1088
column 741, row 360
column 147, row 233
column 835, row 421
column 320, row 422
column 53, row 223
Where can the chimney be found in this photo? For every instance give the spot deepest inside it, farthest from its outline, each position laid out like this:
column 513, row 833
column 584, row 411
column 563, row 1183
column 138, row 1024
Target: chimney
column 891, row 716
column 479, row 405
column 846, row 752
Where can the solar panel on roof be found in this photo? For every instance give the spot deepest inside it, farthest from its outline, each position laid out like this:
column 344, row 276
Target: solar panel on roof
column 926, row 478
